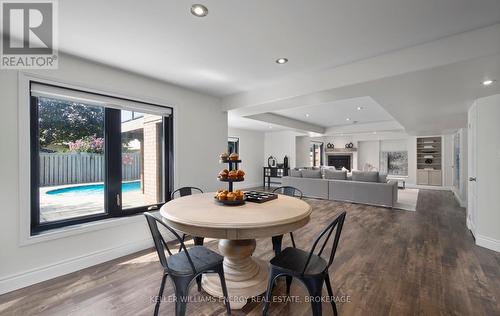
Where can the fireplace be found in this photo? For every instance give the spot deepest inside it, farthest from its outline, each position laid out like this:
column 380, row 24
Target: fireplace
column 339, row 161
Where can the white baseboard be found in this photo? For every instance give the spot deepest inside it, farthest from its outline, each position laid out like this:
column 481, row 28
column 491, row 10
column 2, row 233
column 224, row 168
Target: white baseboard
column 428, row 187
column 20, row 280
column 459, row 199
column 488, row 242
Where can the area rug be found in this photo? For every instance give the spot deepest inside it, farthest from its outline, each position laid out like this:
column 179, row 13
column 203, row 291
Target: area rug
column 407, row 200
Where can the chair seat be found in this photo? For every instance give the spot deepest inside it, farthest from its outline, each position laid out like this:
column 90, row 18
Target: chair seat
column 202, row 257
column 294, row 260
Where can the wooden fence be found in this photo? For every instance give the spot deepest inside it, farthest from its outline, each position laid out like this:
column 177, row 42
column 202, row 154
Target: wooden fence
column 72, row 168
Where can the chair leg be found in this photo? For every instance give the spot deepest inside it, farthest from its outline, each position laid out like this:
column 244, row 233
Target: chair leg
column 269, row 292
column 160, row 294
column 293, row 240
column 288, row 284
column 330, row 293
column 183, row 238
column 314, row 287
column 198, row 241
column 224, row 289
column 181, row 295
column 277, row 244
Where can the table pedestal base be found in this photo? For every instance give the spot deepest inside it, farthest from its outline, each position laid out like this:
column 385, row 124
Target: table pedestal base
column 245, row 276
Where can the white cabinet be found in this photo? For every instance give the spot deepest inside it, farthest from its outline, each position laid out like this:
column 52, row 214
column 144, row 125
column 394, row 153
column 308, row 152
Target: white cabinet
column 429, row 177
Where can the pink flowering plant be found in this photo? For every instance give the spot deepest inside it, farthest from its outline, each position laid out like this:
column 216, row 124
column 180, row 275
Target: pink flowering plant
column 89, row 144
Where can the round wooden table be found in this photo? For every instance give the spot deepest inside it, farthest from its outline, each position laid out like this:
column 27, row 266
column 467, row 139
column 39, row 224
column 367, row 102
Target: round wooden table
column 236, row 227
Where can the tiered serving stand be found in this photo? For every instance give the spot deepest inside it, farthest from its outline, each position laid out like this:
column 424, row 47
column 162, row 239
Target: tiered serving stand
column 231, row 164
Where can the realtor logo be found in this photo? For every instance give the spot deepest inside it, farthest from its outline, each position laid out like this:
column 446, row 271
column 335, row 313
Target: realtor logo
column 29, row 34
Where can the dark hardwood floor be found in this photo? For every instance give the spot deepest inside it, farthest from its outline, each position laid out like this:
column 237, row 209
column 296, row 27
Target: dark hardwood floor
column 389, row 262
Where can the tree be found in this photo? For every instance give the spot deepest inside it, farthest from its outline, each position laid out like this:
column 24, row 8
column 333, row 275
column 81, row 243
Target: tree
column 62, row 122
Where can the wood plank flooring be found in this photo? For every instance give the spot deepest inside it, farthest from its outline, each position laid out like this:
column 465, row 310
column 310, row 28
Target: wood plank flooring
column 389, row 262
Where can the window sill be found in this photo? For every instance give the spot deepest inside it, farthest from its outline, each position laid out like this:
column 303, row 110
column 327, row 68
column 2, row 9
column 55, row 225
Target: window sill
column 77, row 229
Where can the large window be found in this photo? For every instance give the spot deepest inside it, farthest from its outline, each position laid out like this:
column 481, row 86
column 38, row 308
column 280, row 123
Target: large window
column 95, row 157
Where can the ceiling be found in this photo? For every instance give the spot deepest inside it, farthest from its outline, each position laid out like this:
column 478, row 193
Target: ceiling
column 234, row 48
column 236, row 121
column 336, row 113
column 431, row 101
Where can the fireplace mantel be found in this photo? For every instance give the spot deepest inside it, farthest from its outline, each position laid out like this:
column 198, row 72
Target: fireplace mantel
column 340, row 150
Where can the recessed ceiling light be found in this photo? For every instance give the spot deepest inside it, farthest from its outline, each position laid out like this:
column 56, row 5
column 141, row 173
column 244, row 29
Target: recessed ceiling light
column 348, row 119
column 359, row 108
column 307, row 115
column 488, row 82
column 270, row 126
column 281, row 61
column 199, row 10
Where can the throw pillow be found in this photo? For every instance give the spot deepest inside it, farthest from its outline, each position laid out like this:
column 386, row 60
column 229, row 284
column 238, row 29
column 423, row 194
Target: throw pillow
column 382, row 178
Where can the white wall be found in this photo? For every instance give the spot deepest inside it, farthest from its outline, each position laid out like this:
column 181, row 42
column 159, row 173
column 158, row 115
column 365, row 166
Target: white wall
column 201, row 131
column 368, row 153
column 488, row 172
column 279, row 144
column 251, row 150
column 303, row 151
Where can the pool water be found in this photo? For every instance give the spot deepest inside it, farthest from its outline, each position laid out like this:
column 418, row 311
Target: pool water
column 93, row 189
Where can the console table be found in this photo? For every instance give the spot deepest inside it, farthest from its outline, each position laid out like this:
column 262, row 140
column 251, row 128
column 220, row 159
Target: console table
column 273, row 172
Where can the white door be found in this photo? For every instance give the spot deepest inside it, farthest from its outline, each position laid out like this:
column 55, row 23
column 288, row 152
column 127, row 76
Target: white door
column 472, row 169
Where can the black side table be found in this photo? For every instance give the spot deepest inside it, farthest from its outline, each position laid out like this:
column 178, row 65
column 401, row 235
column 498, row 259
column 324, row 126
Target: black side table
column 273, row 172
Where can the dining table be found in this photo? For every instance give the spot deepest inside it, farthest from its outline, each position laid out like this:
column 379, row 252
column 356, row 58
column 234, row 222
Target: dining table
column 236, row 228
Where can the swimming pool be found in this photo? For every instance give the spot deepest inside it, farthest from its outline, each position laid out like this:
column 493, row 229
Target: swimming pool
column 89, row 189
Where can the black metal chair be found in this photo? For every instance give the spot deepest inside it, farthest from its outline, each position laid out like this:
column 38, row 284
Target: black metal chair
column 290, row 191
column 308, row 267
column 184, row 266
column 184, row 191
column 198, row 241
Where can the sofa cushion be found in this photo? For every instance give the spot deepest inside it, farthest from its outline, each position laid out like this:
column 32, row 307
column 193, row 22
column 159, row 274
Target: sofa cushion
column 335, row 174
column 295, row 173
column 311, row 174
column 365, row 176
column 382, row 178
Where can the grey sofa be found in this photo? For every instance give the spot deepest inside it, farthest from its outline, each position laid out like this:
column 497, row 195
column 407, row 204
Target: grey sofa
column 366, row 188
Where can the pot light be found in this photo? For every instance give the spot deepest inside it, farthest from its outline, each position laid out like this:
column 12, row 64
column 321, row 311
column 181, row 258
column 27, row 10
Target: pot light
column 488, row 82
column 281, row 61
column 348, row 119
column 359, row 108
column 307, row 115
column 270, row 126
column 199, row 10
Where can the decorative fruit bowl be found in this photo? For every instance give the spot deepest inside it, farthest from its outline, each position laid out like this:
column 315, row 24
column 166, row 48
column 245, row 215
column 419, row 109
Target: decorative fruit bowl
column 231, row 180
column 233, row 202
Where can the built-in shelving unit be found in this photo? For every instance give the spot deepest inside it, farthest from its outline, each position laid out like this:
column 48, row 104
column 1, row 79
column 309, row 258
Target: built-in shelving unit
column 429, row 166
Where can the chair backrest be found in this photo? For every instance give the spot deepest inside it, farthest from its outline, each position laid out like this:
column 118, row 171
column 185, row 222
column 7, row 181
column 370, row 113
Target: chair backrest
column 336, row 225
column 160, row 243
column 290, row 191
column 185, row 191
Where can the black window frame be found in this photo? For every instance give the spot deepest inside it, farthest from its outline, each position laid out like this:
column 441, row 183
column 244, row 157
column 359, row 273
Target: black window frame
column 113, row 167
